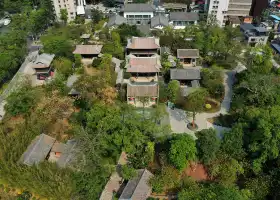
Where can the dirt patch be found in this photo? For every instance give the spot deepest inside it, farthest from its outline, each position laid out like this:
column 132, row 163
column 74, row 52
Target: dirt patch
column 91, row 71
column 197, row 171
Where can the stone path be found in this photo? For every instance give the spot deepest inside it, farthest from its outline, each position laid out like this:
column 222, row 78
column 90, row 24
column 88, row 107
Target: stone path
column 179, row 120
column 118, row 70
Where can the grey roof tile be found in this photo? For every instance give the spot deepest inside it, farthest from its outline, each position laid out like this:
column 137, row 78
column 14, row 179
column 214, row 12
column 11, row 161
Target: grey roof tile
column 183, row 16
column 116, row 20
column 138, row 7
column 187, row 53
column 159, row 20
column 184, row 74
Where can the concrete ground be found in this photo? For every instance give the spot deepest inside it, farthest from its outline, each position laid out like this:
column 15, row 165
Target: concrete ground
column 179, row 119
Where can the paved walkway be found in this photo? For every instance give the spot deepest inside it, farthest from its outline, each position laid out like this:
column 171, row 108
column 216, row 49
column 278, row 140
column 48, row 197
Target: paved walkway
column 118, row 70
column 179, row 120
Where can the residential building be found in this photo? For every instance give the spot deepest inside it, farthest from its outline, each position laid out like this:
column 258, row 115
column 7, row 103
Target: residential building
column 42, row 65
column 143, row 46
column 46, row 148
column 138, row 188
column 254, row 35
column 258, row 6
column 222, row 10
column 175, row 7
column 188, row 78
column 69, row 5
column 138, row 13
column 179, row 20
column 159, row 22
column 188, row 57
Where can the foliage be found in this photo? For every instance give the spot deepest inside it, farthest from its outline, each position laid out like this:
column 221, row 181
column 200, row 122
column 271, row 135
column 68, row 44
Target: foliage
column 259, row 187
column 167, row 178
column 182, row 150
column 173, row 90
column 96, row 62
column 63, row 66
column 127, row 31
column 127, row 172
column 143, row 156
column 78, row 60
column 96, row 16
column 24, row 196
column 208, row 145
column 212, row 80
column 63, row 15
column 114, row 46
column 225, row 169
column 22, row 100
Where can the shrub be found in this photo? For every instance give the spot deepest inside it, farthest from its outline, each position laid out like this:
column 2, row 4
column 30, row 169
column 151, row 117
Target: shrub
column 208, row 106
column 96, row 62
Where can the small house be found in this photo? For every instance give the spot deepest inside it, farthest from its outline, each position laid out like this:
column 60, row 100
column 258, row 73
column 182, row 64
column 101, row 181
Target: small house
column 88, row 51
column 138, row 188
column 42, row 65
column 115, row 21
column 188, row 57
column 179, row 20
column 254, row 35
column 188, row 78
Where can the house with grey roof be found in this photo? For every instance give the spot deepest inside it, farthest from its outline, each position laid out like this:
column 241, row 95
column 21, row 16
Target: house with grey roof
column 70, row 85
column 179, row 20
column 116, row 20
column 42, row 65
column 188, row 78
column 254, row 35
column 137, row 14
column 138, row 188
column 188, row 57
column 159, row 22
column 38, row 150
column 44, row 147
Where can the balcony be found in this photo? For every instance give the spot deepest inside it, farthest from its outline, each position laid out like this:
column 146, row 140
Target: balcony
column 144, row 79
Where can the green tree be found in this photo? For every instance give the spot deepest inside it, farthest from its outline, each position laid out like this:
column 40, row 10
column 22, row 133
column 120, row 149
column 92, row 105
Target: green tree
column 259, row 187
column 182, row 149
column 128, row 172
column 63, row 66
column 22, row 100
column 208, row 145
column 64, row 15
column 173, row 90
column 78, row 60
column 196, row 103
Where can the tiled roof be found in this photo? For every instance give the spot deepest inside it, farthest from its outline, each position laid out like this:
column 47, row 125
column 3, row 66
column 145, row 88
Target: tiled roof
column 183, row 16
column 88, row 49
column 187, row 53
column 138, row 188
column 184, row 74
column 138, row 7
column 116, row 20
column 142, row 90
column 144, row 65
column 68, row 156
column 159, row 20
column 43, row 61
column 143, row 43
column 38, row 150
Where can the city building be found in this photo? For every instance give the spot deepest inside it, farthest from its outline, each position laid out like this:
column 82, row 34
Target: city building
column 254, row 35
column 179, row 20
column 159, row 22
column 258, row 6
column 138, row 13
column 222, row 10
column 73, row 7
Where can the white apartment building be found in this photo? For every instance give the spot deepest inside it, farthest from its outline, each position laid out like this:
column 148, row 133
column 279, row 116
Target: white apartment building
column 73, row 7
column 222, row 9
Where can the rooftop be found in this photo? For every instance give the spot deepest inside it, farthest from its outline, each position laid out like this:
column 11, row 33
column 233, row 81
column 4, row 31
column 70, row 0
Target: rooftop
column 88, row 49
column 68, row 156
column 38, row 150
column 142, row 90
column 187, row 53
column 116, row 20
column 144, row 64
column 185, row 74
column 43, row 61
column 183, row 16
column 143, row 43
column 159, row 20
column 138, row 7
column 138, row 188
